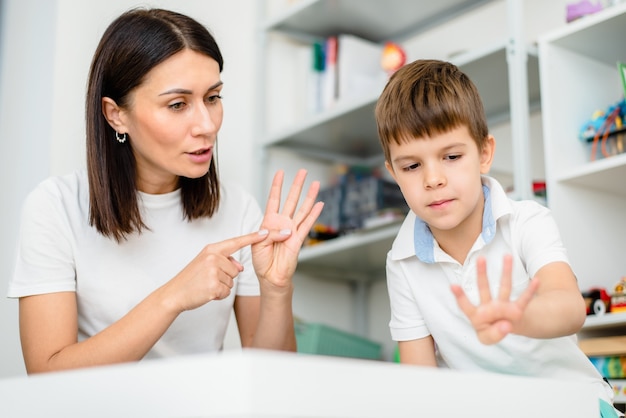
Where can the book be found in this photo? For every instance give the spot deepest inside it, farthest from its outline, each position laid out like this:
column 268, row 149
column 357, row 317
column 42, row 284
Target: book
column 359, row 70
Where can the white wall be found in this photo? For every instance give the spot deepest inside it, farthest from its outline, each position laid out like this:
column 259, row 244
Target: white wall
column 25, row 118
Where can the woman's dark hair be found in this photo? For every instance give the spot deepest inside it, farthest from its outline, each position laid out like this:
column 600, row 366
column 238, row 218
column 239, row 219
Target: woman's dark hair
column 131, row 46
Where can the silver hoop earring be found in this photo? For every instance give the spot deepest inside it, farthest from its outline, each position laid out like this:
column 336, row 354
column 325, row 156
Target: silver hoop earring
column 121, row 138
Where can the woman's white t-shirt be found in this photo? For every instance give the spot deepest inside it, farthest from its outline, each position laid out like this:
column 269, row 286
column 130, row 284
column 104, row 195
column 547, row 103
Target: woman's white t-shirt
column 60, row 252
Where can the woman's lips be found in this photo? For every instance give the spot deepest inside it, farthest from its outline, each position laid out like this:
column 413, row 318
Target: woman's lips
column 201, row 156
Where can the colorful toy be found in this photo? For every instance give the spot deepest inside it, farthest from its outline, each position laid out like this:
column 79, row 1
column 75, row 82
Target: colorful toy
column 618, row 299
column 597, row 300
column 393, row 58
column 603, row 124
column 580, row 9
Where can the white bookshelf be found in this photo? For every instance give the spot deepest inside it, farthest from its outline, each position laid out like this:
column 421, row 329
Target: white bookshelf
column 588, row 198
column 606, row 321
column 347, row 132
column 356, row 256
column 578, row 68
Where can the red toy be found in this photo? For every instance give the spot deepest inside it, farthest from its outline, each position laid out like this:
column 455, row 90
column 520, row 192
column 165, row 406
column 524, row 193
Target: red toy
column 393, row 57
column 598, row 301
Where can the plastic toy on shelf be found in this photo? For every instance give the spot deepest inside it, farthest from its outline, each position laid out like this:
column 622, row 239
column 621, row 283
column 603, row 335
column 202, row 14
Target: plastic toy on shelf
column 393, row 57
column 598, row 301
column 581, row 8
column 607, row 129
column 618, row 298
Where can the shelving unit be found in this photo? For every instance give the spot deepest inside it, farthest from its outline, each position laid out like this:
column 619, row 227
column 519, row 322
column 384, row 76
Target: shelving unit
column 606, row 321
column 368, row 19
column 607, row 325
column 359, row 256
column 578, row 66
column 347, row 132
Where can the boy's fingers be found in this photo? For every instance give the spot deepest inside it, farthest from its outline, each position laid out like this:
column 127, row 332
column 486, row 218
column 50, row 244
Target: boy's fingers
column 462, row 300
column 505, row 282
column 528, row 294
column 482, row 281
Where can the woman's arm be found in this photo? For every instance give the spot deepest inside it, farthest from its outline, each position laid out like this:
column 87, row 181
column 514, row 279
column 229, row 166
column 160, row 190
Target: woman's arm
column 276, row 258
column 49, row 324
column 265, row 328
column 49, row 333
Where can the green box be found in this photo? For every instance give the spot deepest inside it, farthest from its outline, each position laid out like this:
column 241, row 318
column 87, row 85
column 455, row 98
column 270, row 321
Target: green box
column 315, row 338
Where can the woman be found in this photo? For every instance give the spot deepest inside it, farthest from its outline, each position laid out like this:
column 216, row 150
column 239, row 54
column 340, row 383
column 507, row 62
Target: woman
column 145, row 254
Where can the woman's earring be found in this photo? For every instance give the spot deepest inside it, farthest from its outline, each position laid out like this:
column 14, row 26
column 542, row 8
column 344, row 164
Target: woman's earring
column 121, row 138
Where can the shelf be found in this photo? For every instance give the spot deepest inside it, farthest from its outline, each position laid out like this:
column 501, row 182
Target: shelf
column 607, row 175
column 619, row 388
column 582, row 36
column 348, row 130
column 357, row 256
column 609, row 320
column 369, row 19
column 579, row 75
column 488, row 69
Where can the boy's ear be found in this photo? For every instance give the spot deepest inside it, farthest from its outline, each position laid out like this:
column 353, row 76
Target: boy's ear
column 487, row 154
column 390, row 170
column 113, row 114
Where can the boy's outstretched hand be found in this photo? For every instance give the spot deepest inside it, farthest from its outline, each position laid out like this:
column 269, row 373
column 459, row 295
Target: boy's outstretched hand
column 493, row 319
column 275, row 258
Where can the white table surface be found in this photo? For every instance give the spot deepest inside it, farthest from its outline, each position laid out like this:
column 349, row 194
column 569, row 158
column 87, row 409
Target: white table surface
column 253, row 383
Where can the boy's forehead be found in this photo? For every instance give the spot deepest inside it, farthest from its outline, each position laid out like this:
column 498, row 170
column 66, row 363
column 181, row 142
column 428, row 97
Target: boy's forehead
column 459, row 136
column 406, row 136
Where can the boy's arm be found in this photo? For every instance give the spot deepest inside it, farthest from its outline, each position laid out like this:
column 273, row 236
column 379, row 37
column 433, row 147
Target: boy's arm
column 557, row 309
column 419, row 352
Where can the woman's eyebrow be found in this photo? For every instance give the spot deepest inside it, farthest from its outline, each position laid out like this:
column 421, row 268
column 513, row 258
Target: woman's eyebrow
column 186, row 91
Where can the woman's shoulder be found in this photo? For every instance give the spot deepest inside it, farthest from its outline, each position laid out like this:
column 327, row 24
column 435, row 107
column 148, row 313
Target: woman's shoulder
column 66, row 188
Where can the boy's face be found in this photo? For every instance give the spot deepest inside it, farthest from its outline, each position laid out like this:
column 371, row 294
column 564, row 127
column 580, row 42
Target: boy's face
column 440, row 177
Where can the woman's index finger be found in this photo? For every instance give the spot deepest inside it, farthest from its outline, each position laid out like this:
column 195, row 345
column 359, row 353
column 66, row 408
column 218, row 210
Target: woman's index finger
column 232, row 245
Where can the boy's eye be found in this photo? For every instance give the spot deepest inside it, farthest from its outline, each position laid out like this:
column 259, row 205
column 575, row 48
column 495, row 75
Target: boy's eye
column 411, row 167
column 453, row 157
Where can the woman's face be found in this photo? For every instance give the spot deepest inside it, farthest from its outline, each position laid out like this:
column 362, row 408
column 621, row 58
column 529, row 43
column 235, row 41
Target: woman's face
column 172, row 120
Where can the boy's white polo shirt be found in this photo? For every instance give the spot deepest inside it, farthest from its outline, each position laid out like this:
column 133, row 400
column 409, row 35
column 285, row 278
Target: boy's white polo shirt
column 422, row 303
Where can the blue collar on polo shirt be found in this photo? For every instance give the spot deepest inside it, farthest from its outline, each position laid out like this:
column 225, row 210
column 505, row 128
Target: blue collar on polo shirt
column 424, row 242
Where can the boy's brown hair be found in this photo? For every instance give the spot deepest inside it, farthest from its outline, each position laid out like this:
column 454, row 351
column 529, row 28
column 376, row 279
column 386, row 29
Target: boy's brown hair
column 426, row 98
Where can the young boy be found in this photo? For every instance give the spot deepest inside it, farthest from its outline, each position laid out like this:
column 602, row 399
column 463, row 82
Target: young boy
column 518, row 313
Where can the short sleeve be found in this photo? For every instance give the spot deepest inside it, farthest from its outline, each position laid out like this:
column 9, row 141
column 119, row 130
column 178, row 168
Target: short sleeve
column 539, row 237
column 45, row 261
column 406, row 321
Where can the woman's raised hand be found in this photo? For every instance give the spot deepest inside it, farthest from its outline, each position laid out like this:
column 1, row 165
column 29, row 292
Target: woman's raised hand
column 275, row 259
